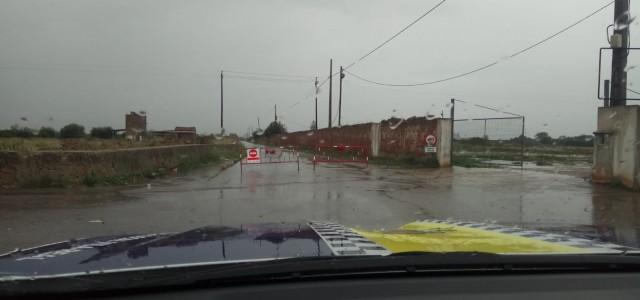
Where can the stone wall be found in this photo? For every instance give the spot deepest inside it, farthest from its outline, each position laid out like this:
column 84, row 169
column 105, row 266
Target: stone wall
column 22, row 168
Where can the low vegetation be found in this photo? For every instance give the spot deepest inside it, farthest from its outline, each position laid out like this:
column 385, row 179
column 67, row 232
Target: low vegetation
column 102, row 132
column 542, row 150
column 72, row 130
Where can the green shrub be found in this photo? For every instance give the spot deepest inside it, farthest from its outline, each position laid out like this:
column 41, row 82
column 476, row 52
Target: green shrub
column 17, row 131
column 275, row 128
column 90, row 179
column 47, row 132
column 72, row 130
column 102, row 132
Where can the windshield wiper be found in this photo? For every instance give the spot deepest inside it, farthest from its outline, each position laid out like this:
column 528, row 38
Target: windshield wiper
column 324, row 267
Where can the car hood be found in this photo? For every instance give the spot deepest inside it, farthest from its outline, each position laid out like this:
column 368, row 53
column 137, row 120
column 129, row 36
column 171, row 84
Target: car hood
column 221, row 245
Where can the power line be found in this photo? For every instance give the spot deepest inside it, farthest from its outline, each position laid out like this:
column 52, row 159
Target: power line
column 327, row 79
column 386, row 41
column 425, row 83
column 268, row 74
column 561, row 31
column 397, row 34
column 489, row 108
column 630, row 90
column 266, row 78
column 491, row 64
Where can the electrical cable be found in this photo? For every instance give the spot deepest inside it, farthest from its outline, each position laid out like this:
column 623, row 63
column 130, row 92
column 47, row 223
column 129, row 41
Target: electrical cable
column 635, row 92
column 397, row 34
column 268, row 74
column 386, row 41
column 265, row 78
column 493, row 63
column 489, row 108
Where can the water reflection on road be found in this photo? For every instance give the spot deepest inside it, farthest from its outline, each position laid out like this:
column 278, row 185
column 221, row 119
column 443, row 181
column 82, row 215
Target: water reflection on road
column 368, row 198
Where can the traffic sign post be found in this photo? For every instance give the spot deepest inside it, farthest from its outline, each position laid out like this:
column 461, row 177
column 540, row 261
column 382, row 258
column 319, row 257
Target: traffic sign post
column 253, row 156
column 269, row 155
column 431, row 141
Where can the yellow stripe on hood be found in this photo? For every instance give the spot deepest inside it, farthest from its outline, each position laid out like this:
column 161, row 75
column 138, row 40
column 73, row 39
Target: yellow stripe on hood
column 438, row 237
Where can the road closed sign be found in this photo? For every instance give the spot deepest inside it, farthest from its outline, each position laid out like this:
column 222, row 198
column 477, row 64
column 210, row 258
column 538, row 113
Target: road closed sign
column 253, row 155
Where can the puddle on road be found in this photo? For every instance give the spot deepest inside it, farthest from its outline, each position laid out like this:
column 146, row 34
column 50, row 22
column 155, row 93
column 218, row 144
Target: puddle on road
column 368, row 199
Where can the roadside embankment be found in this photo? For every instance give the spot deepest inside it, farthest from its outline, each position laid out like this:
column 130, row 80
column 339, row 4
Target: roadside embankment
column 44, row 169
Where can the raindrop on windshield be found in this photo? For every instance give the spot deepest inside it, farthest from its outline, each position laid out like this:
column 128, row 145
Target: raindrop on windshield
column 613, row 114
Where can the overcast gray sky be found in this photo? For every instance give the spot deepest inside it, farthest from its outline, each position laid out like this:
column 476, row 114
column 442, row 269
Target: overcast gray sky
column 92, row 61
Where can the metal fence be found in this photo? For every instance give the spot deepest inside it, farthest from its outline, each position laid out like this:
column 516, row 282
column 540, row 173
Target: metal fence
column 494, row 141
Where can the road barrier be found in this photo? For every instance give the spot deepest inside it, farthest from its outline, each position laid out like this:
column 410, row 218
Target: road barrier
column 269, row 155
column 340, row 153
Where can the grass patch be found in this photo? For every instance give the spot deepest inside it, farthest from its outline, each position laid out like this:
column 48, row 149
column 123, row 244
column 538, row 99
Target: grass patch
column 45, row 182
column 187, row 163
column 467, row 161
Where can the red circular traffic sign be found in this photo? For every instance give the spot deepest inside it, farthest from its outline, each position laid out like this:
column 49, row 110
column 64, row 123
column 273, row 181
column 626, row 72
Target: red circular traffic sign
column 253, row 153
column 431, row 139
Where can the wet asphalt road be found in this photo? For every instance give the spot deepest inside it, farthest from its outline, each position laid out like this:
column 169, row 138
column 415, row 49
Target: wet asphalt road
column 369, row 198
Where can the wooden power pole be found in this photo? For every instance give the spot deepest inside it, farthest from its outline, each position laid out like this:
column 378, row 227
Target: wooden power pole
column 221, row 100
column 340, row 98
column 330, row 88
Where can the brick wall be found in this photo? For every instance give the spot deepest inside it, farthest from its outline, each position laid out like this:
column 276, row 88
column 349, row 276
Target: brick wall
column 407, row 137
column 389, row 137
column 348, row 135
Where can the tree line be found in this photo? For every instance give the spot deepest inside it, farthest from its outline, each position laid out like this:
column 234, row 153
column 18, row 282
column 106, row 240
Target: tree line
column 543, row 138
column 72, row 130
column 540, row 138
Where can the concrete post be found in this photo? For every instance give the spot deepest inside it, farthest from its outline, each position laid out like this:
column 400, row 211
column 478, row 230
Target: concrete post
column 443, row 148
column 616, row 146
column 375, row 139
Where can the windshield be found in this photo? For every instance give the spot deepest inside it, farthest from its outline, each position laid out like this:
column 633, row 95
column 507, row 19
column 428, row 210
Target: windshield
column 137, row 134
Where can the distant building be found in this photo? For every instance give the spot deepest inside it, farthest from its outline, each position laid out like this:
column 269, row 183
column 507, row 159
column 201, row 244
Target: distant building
column 184, row 134
column 135, row 125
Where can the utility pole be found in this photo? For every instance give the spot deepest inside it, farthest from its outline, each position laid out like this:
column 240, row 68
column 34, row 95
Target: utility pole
column 340, row 98
column 522, row 146
column 330, row 87
column 316, row 127
column 258, row 122
column 275, row 112
column 484, row 134
column 453, row 105
column 619, row 43
column 607, row 84
column 221, row 100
